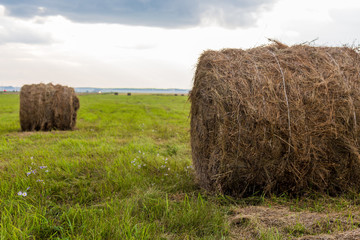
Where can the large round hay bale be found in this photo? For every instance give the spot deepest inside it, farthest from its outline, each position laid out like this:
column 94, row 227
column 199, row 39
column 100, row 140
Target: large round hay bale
column 276, row 119
column 45, row 107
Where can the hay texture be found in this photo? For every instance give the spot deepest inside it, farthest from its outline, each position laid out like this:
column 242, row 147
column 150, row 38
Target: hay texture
column 44, row 107
column 276, row 119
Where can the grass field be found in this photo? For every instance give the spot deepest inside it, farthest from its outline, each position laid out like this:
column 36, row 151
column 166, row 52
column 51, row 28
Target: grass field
column 126, row 173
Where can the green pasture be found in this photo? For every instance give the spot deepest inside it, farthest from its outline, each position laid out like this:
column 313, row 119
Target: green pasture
column 124, row 173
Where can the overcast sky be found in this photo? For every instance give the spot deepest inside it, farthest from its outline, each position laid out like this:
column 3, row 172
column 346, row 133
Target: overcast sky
column 152, row 43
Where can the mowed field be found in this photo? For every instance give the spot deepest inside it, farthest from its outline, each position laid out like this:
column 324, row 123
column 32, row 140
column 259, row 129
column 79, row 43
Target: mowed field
column 126, row 173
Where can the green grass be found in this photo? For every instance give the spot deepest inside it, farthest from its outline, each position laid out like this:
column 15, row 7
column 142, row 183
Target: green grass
column 126, row 173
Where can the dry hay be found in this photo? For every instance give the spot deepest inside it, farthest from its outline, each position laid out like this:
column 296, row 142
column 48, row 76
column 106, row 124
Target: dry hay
column 250, row 134
column 347, row 235
column 248, row 222
column 44, row 107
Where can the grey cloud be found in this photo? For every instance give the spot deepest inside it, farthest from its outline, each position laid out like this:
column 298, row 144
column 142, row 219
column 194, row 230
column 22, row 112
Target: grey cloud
column 161, row 13
column 232, row 14
column 12, row 32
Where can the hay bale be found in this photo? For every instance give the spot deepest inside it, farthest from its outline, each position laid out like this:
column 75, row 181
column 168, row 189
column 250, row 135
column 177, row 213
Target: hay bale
column 116, row 93
column 44, row 107
column 277, row 119
column 129, row 93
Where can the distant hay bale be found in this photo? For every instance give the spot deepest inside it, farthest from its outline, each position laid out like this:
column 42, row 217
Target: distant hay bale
column 129, row 94
column 175, row 94
column 276, row 119
column 116, row 93
column 44, row 107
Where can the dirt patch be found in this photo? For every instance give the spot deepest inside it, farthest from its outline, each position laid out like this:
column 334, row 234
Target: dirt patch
column 255, row 222
column 347, row 235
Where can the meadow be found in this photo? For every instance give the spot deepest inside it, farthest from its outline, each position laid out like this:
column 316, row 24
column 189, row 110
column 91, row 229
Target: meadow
column 126, row 173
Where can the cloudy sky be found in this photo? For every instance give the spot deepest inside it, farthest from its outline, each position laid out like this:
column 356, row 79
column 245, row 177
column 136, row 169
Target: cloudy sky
column 152, row 43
